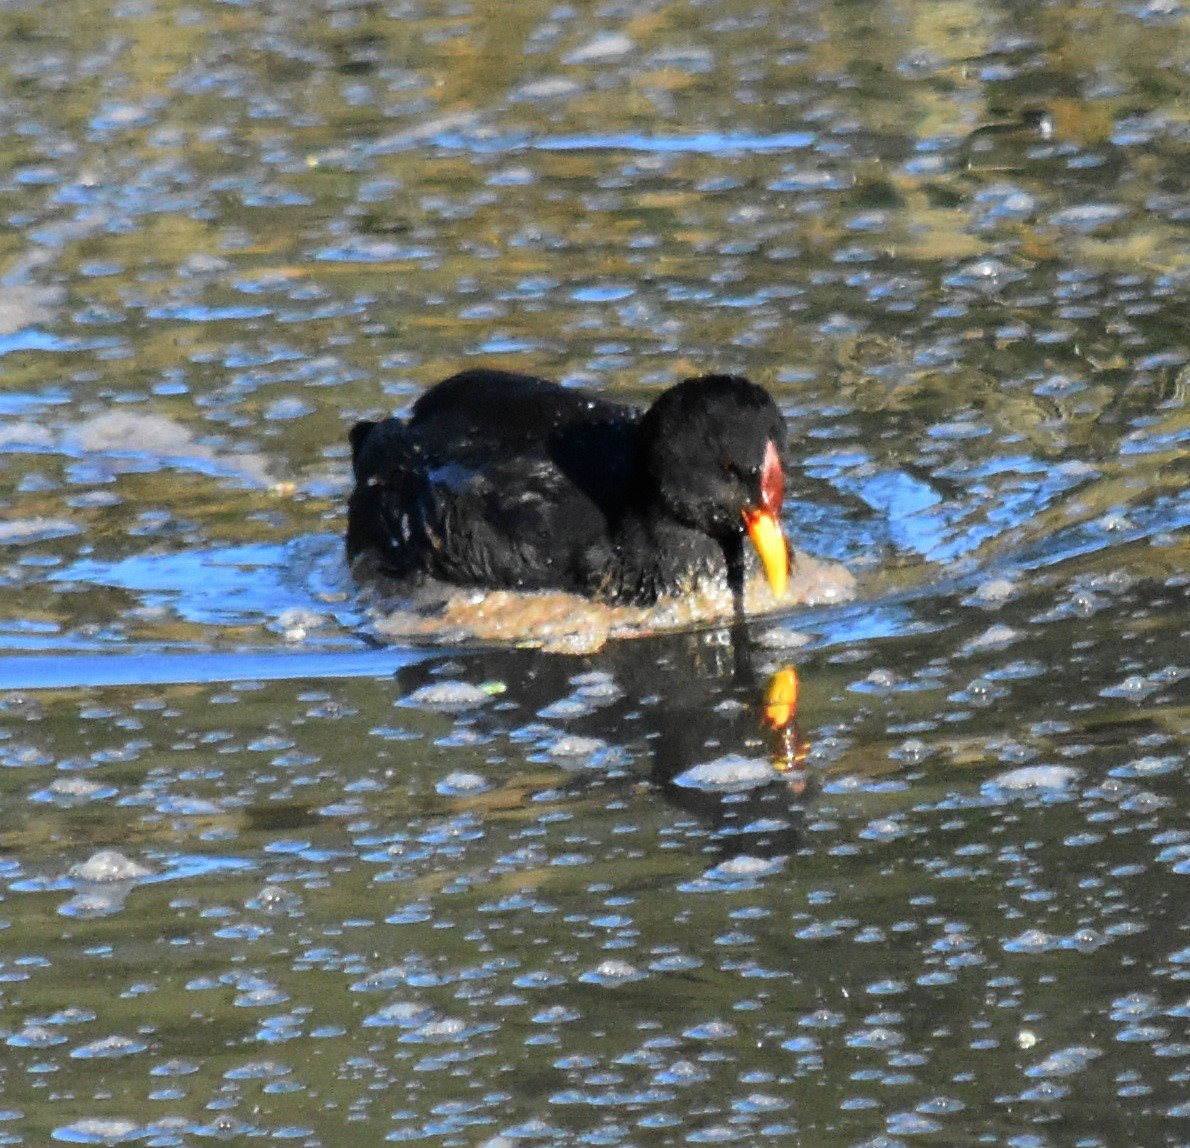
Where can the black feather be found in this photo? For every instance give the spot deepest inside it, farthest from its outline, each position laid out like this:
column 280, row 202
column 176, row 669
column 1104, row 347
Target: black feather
column 505, row 480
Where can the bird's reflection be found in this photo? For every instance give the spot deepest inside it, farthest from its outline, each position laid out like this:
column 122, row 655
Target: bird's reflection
column 763, row 819
column 683, row 701
column 779, row 714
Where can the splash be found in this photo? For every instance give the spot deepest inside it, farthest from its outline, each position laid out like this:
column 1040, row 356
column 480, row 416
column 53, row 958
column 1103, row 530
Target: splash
column 567, row 623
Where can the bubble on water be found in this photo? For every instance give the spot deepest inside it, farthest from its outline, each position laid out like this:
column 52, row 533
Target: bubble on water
column 400, row 1014
column 140, row 441
column 911, row 751
column 382, row 981
column 258, row 1070
column 35, row 1036
column 1065, row 1061
column 1116, row 522
column 1030, row 941
column 993, row 638
column 24, row 531
column 744, row 868
column 574, row 750
column 100, row 1130
column 1147, row 767
column 981, row 691
column 911, row 1124
column 805, row 1045
column 1005, row 201
column 175, row 1066
column 1135, row 1006
column 187, row 806
column 682, row 1073
column 72, row 1014
column 109, row 865
column 1052, row 778
column 539, row 979
column 226, row 1128
column 612, row 973
column 1085, row 940
column 449, row 696
column 884, row 829
column 296, row 623
column 261, row 996
column 1169, row 675
column 886, row 988
column 444, row 1030
column 557, row 1014
column 564, row 709
column 277, row 899
column 877, row 1037
column 462, row 784
column 597, row 686
column 109, row 1048
column 1134, row 688
column 987, row 275
column 731, row 773
column 780, row 638
column 602, row 49
column 1088, row 217
column 1144, row 802
column 821, row 1018
column 712, row 1030
column 675, row 963
column 95, row 903
column 67, row 792
column 283, row 410
column 962, row 428
column 878, row 681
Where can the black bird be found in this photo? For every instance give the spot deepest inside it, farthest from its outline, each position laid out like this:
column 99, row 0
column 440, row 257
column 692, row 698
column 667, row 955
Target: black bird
column 505, row 480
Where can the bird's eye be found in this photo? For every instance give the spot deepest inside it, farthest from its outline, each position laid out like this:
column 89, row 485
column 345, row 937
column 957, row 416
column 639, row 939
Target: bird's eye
column 745, row 474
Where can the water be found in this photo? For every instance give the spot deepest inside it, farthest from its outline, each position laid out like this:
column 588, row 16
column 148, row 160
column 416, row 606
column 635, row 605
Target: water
column 268, row 873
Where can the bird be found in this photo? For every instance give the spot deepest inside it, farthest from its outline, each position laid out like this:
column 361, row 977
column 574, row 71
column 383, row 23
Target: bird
column 503, row 480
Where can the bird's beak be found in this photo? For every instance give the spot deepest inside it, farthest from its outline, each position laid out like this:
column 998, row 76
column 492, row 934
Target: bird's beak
column 764, row 523
column 765, row 532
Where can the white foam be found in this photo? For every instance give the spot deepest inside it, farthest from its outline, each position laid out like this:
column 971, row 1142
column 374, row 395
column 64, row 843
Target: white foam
column 729, row 774
column 568, row 623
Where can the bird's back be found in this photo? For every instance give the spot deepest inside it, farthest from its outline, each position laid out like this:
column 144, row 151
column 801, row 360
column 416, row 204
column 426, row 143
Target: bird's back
column 497, row 479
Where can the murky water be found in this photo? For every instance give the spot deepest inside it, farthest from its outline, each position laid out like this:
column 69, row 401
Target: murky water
column 264, row 877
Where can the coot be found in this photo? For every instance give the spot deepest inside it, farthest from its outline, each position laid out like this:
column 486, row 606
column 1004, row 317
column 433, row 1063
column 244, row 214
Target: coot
column 505, row 480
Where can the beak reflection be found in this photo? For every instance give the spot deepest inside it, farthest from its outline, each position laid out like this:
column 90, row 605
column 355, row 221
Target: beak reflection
column 779, row 714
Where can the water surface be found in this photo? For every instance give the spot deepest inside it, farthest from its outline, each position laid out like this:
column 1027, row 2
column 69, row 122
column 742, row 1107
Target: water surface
column 267, row 874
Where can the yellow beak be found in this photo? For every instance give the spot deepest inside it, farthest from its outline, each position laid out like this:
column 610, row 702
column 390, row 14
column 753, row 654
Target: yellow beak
column 765, row 532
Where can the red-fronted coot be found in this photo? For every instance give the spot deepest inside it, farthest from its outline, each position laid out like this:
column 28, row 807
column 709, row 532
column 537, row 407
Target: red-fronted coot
column 503, row 480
